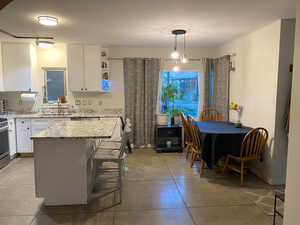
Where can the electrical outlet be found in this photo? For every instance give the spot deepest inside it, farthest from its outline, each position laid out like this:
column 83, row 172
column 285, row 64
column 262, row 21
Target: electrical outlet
column 77, row 102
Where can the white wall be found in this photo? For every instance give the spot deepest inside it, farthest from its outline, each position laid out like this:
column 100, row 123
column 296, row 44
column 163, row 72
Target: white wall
column 1, row 69
column 254, row 86
column 291, row 216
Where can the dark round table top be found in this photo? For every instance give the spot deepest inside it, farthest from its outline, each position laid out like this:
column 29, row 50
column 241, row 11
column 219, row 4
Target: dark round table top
column 212, row 127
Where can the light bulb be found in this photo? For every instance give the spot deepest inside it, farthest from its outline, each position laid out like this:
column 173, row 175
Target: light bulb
column 176, row 68
column 184, row 59
column 175, row 55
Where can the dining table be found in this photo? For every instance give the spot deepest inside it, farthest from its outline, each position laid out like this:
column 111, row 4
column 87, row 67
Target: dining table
column 220, row 139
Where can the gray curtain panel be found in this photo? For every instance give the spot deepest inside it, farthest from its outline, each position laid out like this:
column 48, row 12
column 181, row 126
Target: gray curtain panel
column 141, row 82
column 216, row 78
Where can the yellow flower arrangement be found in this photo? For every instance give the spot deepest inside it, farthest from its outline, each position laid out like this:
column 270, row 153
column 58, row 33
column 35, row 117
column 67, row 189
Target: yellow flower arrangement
column 234, row 106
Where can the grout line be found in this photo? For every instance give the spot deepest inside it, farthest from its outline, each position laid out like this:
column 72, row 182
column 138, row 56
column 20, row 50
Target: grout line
column 185, row 204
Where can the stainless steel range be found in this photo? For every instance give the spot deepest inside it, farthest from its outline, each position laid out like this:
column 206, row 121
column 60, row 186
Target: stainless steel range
column 4, row 143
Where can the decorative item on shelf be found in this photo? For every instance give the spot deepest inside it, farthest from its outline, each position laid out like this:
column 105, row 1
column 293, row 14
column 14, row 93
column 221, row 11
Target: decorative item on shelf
column 238, row 109
column 106, row 85
column 104, row 65
column 103, row 53
column 162, row 118
column 105, row 76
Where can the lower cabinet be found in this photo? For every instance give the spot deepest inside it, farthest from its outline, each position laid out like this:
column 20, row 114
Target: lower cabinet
column 12, row 137
column 27, row 127
column 24, row 144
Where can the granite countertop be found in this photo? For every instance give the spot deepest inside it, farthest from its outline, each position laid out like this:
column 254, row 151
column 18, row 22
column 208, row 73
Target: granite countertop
column 79, row 129
column 71, row 115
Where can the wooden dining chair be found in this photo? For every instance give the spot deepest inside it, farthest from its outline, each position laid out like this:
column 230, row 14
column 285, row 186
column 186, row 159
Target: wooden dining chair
column 252, row 146
column 196, row 148
column 210, row 114
column 187, row 134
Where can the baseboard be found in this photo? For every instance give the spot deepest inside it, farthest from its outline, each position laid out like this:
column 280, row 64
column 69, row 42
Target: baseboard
column 25, row 155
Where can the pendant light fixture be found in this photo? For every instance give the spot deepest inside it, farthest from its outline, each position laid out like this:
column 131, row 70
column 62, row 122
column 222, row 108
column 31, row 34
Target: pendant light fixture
column 176, row 54
column 176, row 68
column 184, row 58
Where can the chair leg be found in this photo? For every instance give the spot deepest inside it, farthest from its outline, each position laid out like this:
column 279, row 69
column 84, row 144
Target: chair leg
column 188, row 150
column 242, row 172
column 225, row 165
column 202, row 167
column 192, row 159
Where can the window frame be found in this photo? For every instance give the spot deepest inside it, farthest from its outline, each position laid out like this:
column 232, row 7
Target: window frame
column 46, row 69
column 200, row 86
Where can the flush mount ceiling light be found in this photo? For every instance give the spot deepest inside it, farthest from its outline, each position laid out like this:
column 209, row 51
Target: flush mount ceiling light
column 45, row 44
column 175, row 54
column 47, row 20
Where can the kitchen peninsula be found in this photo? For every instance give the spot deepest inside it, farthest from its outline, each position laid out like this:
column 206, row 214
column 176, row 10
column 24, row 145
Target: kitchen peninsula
column 63, row 160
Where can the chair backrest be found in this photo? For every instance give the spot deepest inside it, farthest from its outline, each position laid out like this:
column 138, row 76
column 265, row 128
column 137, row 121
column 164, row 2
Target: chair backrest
column 195, row 134
column 210, row 114
column 254, row 143
column 187, row 132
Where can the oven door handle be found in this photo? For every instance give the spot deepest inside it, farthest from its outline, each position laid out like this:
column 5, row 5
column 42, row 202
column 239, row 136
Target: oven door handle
column 3, row 129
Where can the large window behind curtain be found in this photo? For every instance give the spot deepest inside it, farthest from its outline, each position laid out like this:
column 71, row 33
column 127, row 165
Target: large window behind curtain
column 187, row 97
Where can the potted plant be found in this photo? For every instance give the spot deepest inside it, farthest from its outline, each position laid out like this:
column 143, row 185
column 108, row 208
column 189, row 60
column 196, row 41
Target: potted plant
column 176, row 115
column 168, row 96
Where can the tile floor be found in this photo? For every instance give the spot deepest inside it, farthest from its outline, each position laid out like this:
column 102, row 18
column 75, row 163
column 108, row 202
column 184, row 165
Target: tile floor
column 159, row 189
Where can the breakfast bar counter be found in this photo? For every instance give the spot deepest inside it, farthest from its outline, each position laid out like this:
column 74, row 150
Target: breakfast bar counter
column 63, row 160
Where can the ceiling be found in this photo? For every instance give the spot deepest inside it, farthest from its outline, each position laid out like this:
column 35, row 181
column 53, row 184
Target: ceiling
column 143, row 23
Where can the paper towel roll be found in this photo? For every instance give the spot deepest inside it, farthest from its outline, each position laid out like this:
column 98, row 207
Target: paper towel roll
column 28, row 97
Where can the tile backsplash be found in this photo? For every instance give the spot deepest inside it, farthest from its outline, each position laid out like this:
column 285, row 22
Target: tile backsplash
column 78, row 102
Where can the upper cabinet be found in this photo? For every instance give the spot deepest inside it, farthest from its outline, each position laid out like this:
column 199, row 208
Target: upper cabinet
column 75, row 56
column 17, row 67
column 84, row 69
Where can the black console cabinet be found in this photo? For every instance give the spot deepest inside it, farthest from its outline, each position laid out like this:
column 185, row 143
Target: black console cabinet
column 168, row 138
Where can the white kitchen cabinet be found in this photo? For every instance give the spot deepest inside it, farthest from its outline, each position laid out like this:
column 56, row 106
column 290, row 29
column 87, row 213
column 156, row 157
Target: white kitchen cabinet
column 18, row 66
column 12, row 137
column 92, row 68
column 75, row 67
column 84, row 69
column 24, row 144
